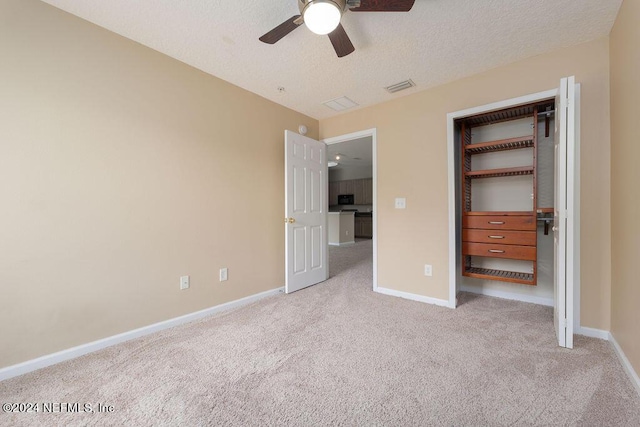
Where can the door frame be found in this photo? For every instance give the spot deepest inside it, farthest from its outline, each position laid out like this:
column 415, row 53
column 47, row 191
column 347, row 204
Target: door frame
column 455, row 275
column 374, row 152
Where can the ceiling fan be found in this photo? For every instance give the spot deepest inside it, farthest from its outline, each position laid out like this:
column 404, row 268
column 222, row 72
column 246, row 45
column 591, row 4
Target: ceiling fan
column 323, row 17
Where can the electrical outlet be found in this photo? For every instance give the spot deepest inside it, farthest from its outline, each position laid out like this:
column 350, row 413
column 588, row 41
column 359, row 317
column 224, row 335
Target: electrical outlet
column 401, row 203
column 224, row 274
column 184, row 282
column 428, row 270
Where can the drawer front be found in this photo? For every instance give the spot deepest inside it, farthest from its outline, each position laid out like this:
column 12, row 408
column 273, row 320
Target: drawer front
column 500, row 222
column 527, row 253
column 502, row 237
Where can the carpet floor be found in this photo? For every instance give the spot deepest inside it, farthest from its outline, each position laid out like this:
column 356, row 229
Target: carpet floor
column 339, row 354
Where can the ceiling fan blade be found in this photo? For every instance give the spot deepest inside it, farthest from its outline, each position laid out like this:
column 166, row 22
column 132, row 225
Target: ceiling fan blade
column 281, row 30
column 341, row 42
column 384, row 6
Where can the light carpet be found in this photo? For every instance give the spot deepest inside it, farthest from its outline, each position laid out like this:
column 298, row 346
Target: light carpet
column 339, row 354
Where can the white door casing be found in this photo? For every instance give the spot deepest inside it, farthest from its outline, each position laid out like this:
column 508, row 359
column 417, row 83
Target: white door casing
column 455, row 276
column 563, row 227
column 305, row 212
column 571, row 191
column 372, row 133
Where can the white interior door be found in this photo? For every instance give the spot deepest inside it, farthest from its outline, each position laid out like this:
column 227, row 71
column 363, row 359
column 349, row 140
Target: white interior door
column 305, row 212
column 563, row 217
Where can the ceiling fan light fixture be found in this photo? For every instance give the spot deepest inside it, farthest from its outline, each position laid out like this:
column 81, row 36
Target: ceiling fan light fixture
column 322, row 16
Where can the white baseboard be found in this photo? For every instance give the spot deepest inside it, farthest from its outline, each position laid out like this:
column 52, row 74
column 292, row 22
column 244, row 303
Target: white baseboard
column 633, row 375
column 508, row 295
column 592, row 333
column 343, row 243
column 72, row 353
column 413, row 297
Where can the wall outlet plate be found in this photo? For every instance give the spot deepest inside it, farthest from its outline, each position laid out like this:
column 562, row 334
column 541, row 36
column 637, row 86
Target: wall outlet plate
column 224, row 274
column 401, row 203
column 184, row 282
column 428, row 270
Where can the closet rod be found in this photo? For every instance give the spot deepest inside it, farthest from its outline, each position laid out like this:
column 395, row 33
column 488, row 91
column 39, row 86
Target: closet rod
column 544, row 113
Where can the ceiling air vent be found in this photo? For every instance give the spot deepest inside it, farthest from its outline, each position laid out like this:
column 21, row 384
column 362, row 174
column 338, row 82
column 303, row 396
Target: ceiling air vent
column 400, row 86
column 340, row 104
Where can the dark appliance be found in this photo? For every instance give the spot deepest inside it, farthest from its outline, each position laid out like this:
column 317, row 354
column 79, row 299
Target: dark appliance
column 345, row 199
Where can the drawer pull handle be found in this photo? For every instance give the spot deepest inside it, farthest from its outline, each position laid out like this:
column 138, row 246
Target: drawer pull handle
column 496, row 251
column 496, row 237
column 496, row 222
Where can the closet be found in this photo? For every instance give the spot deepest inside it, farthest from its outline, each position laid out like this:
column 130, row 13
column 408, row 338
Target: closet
column 507, row 192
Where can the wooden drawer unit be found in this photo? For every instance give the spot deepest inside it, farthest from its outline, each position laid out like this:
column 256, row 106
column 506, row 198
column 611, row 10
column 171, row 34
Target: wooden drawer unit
column 502, row 237
column 500, row 222
column 527, row 253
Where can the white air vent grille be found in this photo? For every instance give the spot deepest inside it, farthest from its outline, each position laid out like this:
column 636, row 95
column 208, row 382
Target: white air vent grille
column 340, row 104
column 400, row 86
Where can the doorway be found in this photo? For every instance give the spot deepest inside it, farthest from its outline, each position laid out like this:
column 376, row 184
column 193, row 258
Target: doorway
column 368, row 216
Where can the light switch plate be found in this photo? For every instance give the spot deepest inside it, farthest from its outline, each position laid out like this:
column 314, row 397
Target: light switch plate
column 224, row 274
column 401, row 203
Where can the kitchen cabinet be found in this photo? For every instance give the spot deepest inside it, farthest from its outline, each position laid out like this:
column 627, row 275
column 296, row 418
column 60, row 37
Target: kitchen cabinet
column 362, row 190
column 346, row 187
column 357, row 227
column 367, row 227
column 363, row 227
column 358, row 189
column 367, row 191
column 334, row 191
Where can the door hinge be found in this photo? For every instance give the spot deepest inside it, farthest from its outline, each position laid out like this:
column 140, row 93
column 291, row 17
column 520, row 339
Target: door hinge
column 563, row 323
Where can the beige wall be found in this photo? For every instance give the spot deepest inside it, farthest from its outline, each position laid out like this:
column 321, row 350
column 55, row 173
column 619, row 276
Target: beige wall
column 625, row 177
column 120, row 170
column 412, row 163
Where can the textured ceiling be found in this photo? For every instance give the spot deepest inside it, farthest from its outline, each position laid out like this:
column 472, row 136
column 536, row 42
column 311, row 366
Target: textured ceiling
column 437, row 42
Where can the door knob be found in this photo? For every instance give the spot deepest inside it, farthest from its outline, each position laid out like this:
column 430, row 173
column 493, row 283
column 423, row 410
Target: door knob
column 554, row 228
column 290, row 220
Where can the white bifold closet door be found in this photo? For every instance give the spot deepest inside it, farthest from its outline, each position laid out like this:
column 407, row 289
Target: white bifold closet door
column 564, row 213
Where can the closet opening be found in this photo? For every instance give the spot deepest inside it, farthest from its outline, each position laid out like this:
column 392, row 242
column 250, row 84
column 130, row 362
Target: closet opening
column 507, row 199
